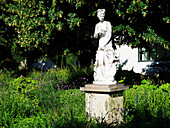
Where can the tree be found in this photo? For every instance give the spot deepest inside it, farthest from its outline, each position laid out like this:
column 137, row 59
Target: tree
column 33, row 22
column 53, row 26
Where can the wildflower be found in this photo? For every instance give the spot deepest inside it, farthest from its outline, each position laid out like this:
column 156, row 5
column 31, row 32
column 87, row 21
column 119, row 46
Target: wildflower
column 49, row 102
column 51, row 124
column 52, row 120
column 121, row 110
column 121, row 114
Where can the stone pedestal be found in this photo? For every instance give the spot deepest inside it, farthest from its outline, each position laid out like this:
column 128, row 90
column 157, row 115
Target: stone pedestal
column 104, row 102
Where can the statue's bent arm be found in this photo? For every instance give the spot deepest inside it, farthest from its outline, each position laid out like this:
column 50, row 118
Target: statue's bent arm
column 108, row 33
column 96, row 31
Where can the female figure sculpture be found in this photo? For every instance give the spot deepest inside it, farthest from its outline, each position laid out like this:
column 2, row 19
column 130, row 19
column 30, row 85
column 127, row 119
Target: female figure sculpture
column 105, row 68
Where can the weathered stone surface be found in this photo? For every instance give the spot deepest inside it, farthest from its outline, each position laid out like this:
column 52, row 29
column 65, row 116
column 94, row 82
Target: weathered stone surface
column 104, row 88
column 104, row 107
column 104, row 102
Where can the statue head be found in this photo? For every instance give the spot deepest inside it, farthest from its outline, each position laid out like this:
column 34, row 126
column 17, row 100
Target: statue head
column 101, row 14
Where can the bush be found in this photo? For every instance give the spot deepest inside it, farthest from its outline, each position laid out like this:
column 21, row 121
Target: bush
column 5, row 78
column 64, row 78
column 81, row 76
column 128, row 77
column 147, row 106
column 17, row 101
column 26, row 103
column 48, row 99
column 131, row 78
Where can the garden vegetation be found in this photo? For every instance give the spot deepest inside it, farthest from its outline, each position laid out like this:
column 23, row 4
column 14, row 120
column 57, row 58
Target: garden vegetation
column 52, row 99
column 62, row 30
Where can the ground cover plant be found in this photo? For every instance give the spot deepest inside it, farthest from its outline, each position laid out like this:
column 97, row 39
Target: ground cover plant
column 63, row 30
column 27, row 102
column 43, row 99
column 49, row 99
column 147, row 106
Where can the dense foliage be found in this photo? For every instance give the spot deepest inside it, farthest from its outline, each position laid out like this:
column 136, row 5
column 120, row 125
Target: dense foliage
column 51, row 27
column 64, row 29
column 25, row 103
column 147, row 106
column 47, row 99
column 42, row 99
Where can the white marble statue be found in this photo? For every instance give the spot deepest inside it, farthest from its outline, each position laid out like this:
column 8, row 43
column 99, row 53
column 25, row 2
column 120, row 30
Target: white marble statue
column 105, row 68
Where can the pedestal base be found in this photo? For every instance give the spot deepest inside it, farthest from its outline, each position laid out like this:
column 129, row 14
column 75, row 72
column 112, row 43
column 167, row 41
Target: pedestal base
column 105, row 82
column 104, row 102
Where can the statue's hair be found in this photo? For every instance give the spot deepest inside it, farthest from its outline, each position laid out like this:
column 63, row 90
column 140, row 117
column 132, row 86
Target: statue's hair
column 100, row 10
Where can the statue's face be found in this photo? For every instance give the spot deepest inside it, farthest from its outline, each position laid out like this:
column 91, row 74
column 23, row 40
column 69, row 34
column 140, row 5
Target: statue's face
column 101, row 16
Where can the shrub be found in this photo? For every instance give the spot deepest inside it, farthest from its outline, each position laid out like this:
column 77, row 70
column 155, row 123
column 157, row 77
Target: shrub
column 45, row 99
column 131, row 78
column 128, row 77
column 81, row 76
column 147, row 105
column 6, row 75
column 64, row 78
column 17, row 101
column 69, row 110
column 26, row 103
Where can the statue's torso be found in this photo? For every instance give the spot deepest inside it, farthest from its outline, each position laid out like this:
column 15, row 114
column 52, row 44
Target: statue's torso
column 104, row 28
